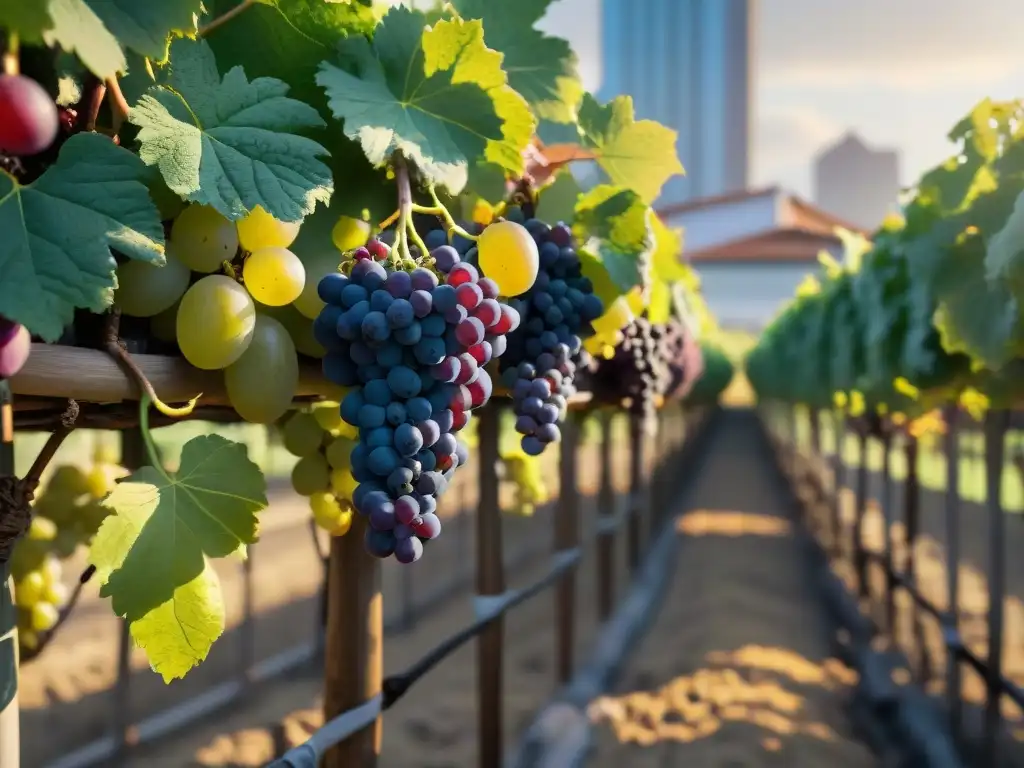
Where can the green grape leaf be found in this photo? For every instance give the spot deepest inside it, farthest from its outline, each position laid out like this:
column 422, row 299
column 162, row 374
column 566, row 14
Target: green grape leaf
column 230, row 143
column 58, row 232
column 613, row 225
column 1004, row 259
column 557, row 200
column 152, row 555
column 637, row 154
column 541, row 68
column 487, row 182
column 436, row 95
column 100, row 32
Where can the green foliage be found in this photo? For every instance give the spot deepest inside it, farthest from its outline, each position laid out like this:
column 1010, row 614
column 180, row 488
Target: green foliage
column 306, row 108
column 613, row 228
column 230, row 143
column 637, row 154
column 436, row 95
column 55, row 253
column 152, row 556
column 541, row 68
column 932, row 309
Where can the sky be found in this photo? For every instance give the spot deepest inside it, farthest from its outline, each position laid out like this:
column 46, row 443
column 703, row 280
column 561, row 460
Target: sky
column 898, row 72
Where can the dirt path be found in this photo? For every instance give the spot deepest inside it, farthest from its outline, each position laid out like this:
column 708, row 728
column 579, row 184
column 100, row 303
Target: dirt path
column 736, row 670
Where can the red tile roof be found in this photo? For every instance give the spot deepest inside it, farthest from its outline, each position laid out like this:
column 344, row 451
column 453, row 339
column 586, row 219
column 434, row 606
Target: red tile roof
column 789, row 244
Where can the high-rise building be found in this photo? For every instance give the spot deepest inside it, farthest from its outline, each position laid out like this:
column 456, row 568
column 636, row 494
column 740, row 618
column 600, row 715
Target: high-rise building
column 688, row 65
column 856, row 182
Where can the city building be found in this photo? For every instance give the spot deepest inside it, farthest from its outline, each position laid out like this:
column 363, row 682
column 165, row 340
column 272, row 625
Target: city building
column 688, row 65
column 856, row 182
column 753, row 248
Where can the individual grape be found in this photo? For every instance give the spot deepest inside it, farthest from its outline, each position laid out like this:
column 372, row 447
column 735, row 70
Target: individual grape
column 28, row 116
column 311, row 474
column 379, row 543
column 408, row 550
column 317, row 268
column 30, row 589
column 202, row 239
column 144, row 289
column 428, row 526
column 274, row 276
column 349, row 234
column 261, row 383
column 163, row 326
column 260, row 230
column 301, row 434
column 15, row 345
column 445, row 257
column 343, row 484
column 330, row 514
column 44, row 617
column 508, row 255
column 215, row 322
column 299, row 327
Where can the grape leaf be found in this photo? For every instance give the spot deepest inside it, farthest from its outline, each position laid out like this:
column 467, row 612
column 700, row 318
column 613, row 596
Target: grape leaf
column 152, row 555
column 437, row 95
column 612, row 224
column 637, row 154
column 1004, row 259
column 101, row 31
column 667, row 262
column 230, row 143
column 541, row 68
column 557, row 200
column 58, row 232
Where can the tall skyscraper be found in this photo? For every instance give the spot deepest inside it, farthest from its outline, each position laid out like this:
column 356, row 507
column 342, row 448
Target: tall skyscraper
column 856, row 182
column 688, row 65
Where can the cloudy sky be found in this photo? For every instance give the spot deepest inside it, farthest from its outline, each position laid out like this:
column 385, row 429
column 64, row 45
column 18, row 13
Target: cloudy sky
column 899, row 72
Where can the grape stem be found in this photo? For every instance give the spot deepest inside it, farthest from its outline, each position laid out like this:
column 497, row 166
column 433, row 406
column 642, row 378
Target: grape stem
column 30, row 482
column 405, row 229
column 438, row 209
column 225, row 17
column 10, row 63
column 115, row 348
column 93, row 93
column 46, row 637
column 118, row 103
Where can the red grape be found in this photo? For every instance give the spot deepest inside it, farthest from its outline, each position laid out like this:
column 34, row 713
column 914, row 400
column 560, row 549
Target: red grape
column 15, row 343
column 28, row 116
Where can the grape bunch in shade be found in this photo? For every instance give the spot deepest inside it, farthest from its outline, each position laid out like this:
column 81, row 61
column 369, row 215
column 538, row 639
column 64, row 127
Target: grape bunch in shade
column 15, row 344
column 413, row 350
column 544, row 353
column 639, row 369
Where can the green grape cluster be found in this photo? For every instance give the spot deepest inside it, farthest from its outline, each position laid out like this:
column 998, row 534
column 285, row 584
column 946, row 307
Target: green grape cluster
column 323, row 443
column 234, row 297
column 66, row 513
column 527, row 477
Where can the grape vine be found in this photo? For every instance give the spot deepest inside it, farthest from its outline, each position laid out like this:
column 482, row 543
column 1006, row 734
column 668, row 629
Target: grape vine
column 241, row 188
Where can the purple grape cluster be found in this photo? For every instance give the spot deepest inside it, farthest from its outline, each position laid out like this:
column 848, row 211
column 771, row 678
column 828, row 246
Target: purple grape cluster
column 413, row 350
column 545, row 352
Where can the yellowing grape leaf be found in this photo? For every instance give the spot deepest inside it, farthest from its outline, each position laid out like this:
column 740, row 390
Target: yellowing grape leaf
column 56, row 234
column 541, row 68
column 437, row 95
column 637, row 154
column 230, row 143
column 101, row 31
column 152, row 555
column 667, row 263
